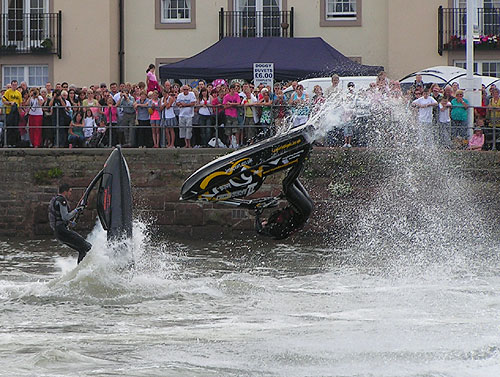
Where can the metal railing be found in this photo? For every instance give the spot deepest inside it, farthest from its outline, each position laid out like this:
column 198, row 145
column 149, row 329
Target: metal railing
column 251, row 23
column 216, row 127
column 59, row 130
column 452, row 28
column 31, row 33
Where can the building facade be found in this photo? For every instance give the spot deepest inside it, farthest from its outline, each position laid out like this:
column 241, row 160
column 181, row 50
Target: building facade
column 93, row 41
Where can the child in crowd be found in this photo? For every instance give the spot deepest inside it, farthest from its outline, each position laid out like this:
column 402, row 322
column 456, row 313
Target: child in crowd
column 111, row 115
column 102, row 130
column 151, row 80
column 444, row 122
column 89, row 125
column 169, row 121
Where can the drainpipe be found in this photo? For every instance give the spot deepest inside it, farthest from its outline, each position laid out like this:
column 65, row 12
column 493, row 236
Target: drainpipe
column 121, row 51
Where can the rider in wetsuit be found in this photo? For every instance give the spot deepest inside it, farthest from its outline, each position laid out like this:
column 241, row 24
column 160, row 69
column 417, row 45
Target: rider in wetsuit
column 60, row 217
column 284, row 222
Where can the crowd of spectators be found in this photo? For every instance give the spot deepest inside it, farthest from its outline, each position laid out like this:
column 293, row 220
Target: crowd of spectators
column 223, row 114
column 445, row 112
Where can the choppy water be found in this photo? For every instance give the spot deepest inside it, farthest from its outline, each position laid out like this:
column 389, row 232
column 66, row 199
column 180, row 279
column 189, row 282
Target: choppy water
column 244, row 309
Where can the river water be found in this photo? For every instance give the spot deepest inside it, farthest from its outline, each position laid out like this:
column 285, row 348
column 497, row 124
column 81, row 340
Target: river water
column 245, row 308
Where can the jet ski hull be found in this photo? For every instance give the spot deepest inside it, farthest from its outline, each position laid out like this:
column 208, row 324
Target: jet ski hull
column 241, row 173
column 114, row 197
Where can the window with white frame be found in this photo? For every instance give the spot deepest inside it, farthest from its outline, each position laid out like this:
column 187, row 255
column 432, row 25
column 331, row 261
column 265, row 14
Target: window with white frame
column 340, row 9
column 34, row 75
column 24, row 22
column 485, row 17
column 175, row 11
column 483, row 67
column 491, row 69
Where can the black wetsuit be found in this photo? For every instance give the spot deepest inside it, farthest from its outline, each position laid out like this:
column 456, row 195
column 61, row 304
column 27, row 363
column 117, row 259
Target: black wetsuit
column 284, row 222
column 59, row 218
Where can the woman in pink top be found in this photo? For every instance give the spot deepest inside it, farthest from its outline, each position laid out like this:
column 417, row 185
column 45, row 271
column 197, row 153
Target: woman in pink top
column 476, row 142
column 155, row 119
column 111, row 114
column 151, row 81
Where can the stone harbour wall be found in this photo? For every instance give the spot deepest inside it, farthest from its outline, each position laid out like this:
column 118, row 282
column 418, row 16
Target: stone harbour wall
column 340, row 182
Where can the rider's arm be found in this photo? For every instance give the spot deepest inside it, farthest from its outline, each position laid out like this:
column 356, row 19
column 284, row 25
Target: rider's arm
column 65, row 215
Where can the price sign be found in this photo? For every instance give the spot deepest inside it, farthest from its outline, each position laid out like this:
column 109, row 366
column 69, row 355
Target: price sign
column 263, row 73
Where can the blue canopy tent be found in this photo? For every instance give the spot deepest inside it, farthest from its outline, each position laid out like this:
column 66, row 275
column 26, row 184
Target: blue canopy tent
column 293, row 58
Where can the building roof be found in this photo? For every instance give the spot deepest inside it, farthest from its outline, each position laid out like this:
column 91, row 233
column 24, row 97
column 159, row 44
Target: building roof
column 293, row 58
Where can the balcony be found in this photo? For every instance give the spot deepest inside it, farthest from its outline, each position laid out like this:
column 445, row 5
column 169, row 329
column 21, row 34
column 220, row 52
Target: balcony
column 256, row 24
column 30, row 33
column 452, row 29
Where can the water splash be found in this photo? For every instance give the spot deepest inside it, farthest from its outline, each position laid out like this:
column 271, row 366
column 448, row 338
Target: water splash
column 105, row 274
column 422, row 216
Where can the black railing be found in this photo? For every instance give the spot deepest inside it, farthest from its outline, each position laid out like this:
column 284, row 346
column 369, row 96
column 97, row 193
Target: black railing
column 251, row 24
column 31, row 33
column 452, row 28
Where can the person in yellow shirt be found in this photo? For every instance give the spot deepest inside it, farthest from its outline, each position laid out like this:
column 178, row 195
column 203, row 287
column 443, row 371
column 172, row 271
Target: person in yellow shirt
column 11, row 96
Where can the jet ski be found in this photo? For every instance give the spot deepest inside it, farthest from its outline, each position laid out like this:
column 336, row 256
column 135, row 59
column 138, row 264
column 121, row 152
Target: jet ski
column 237, row 175
column 114, row 197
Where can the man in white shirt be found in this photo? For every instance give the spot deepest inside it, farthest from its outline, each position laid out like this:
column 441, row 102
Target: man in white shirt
column 186, row 101
column 425, row 105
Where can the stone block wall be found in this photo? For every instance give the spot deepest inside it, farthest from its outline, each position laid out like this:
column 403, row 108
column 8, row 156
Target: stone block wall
column 30, row 177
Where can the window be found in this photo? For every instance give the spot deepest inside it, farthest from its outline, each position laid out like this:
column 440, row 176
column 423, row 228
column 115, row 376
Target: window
column 463, row 64
column 485, row 17
column 482, row 67
column 25, row 24
column 36, row 20
column 340, row 13
column 175, row 14
column 340, row 9
column 491, row 69
column 34, row 75
column 38, row 75
column 176, row 11
column 257, row 18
